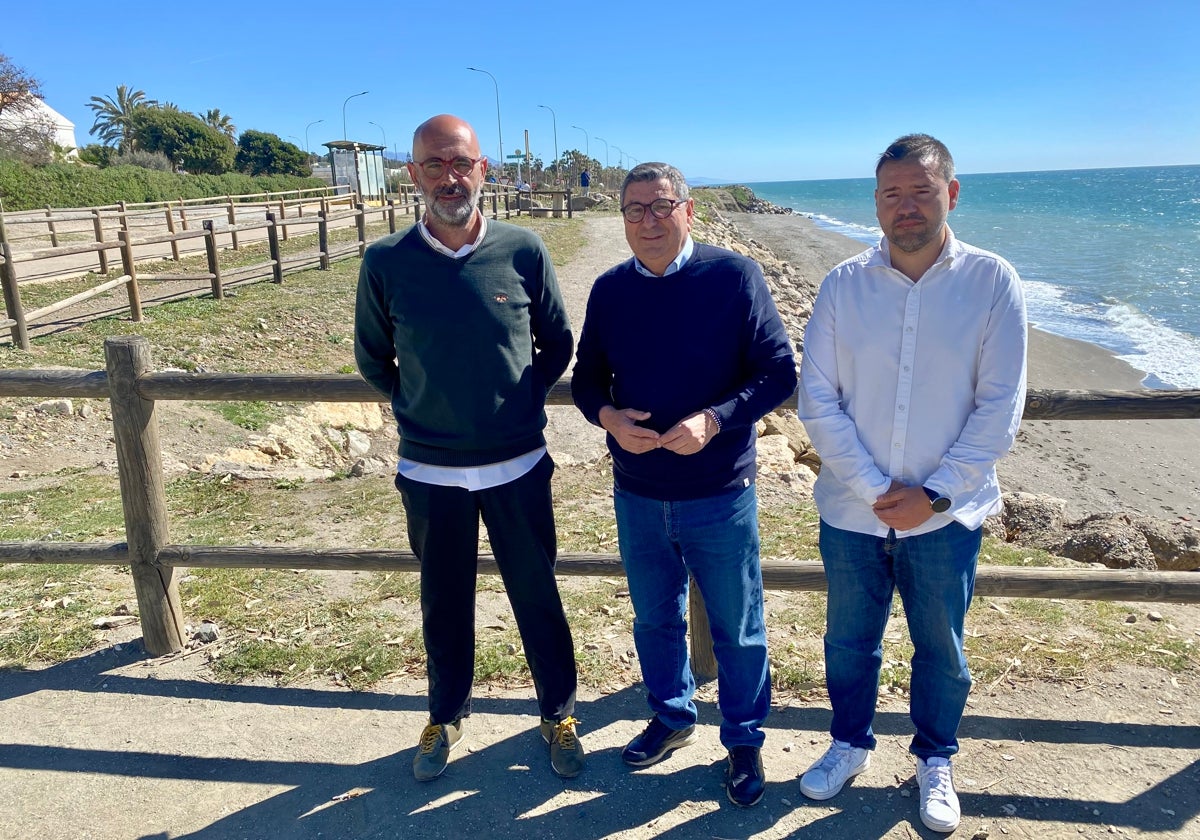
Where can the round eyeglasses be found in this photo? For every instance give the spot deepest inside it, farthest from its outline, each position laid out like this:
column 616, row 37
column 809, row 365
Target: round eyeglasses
column 660, row 208
column 436, row 167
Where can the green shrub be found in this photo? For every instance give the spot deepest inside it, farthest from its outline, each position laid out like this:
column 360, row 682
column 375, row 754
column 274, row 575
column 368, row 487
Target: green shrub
column 24, row 187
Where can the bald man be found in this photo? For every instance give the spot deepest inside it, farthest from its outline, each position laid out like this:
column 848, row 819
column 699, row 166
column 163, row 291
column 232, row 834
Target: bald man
column 460, row 324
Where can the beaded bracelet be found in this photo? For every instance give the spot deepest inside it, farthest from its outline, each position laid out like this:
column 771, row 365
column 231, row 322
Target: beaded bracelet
column 713, row 414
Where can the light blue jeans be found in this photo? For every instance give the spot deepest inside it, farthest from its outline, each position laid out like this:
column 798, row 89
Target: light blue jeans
column 935, row 576
column 716, row 539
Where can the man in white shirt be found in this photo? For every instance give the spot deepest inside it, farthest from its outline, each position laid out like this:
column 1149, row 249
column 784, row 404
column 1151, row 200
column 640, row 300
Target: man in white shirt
column 911, row 388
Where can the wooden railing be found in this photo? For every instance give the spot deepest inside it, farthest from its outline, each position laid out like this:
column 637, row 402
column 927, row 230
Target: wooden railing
column 218, row 227
column 133, row 390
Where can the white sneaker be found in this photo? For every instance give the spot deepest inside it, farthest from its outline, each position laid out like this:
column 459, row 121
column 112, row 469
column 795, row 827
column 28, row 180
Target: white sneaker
column 939, row 802
column 825, row 778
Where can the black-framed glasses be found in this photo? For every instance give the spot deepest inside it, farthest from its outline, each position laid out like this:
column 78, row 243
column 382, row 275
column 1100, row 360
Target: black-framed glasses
column 660, row 208
column 436, row 167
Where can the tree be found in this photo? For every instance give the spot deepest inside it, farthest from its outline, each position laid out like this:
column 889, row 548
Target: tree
column 25, row 133
column 221, row 122
column 183, row 138
column 260, row 153
column 115, row 115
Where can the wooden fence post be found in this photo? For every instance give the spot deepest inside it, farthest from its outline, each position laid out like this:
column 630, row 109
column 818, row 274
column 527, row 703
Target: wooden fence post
column 50, row 226
column 98, row 226
column 273, row 245
column 12, row 296
column 282, row 216
column 323, row 239
column 232, row 223
column 214, row 267
column 416, row 199
column 12, row 292
column 139, row 467
column 171, row 229
column 704, row 661
column 127, row 264
column 569, row 211
column 391, row 215
column 360, row 222
column 182, row 214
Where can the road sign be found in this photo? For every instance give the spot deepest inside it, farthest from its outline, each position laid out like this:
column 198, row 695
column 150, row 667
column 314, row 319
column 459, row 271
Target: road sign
column 517, row 156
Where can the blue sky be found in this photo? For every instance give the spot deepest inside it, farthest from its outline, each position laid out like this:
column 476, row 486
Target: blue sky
column 745, row 91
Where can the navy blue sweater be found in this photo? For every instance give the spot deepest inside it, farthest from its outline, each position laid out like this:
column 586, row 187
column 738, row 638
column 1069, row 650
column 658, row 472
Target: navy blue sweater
column 708, row 336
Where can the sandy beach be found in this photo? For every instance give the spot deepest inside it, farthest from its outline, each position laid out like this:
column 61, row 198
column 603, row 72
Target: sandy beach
column 1149, row 467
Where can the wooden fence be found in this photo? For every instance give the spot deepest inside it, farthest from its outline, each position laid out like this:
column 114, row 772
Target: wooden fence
column 221, row 226
column 133, row 390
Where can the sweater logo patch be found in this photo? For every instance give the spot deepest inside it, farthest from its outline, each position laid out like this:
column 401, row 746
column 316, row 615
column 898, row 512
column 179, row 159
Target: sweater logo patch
column 501, row 298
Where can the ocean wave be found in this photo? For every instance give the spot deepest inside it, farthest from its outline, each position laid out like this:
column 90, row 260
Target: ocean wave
column 870, row 235
column 1170, row 358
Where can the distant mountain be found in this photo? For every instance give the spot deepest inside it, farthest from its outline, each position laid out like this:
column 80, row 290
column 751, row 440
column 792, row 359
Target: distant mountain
column 709, row 182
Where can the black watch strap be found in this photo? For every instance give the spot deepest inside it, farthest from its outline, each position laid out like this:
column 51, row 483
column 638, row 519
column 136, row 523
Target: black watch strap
column 938, row 502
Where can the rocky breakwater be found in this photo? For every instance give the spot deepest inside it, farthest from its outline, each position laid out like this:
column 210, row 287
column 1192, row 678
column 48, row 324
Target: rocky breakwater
column 1115, row 540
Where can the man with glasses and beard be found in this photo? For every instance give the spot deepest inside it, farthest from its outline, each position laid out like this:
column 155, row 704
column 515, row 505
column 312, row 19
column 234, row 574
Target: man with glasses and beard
column 460, row 323
column 682, row 351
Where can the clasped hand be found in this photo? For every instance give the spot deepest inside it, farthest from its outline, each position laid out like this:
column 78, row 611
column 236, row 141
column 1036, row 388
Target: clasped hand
column 903, row 507
column 686, row 437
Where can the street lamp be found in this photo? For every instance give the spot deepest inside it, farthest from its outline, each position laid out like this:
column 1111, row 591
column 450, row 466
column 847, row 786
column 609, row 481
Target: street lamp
column 554, row 122
column 587, row 142
column 499, row 133
column 605, row 142
column 348, row 98
column 620, row 157
column 384, row 133
column 308, row 148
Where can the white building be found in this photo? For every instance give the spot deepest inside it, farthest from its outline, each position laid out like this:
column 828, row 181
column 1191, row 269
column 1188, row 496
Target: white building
column 41, row 113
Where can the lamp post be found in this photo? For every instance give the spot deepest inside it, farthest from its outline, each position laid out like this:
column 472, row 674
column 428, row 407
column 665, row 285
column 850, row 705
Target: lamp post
column 499, row 133
column 307, row 148
column 381, row 131
column 587, row 142
column 348, row 98
column 605, row 142
column 620, row 157
column 554, row 122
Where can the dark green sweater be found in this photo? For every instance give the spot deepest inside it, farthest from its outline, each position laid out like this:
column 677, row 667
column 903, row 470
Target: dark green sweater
column 465, row 349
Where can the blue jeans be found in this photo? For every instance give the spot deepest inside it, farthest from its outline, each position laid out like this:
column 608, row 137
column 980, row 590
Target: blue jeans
column 716, row 539
column 935, row 576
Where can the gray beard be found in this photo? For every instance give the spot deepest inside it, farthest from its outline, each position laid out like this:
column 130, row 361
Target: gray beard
column 460, row 212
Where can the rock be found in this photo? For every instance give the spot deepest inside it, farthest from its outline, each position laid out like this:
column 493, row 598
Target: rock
column 111, row 621
column 63, row 407
column 357, row 443
column 775, row 454
column 364, row 416
column 790, row 426
column 207, row 633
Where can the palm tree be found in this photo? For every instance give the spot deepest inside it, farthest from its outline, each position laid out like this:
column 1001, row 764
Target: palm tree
column 221, row 122
column 113, row 116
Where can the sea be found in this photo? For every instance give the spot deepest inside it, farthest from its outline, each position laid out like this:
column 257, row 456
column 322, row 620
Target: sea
column 1107, row 256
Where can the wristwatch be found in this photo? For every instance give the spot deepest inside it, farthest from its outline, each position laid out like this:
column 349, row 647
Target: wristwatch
column 938, row 502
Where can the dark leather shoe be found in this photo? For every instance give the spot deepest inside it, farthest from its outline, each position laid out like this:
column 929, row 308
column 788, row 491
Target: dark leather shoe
column 656, row 740
column 745, row 782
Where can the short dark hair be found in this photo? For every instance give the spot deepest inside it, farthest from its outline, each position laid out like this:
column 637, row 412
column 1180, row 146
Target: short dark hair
column 926, row 149
column 656, row 171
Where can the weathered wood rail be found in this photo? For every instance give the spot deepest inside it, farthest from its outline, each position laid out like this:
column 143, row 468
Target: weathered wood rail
column 135, row 232
column 133, row 389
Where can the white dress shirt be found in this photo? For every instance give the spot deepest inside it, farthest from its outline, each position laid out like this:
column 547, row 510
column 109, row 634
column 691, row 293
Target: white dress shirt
column 923, row 382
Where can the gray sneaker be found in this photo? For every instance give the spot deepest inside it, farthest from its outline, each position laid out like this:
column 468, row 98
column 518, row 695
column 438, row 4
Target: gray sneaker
column 433, row 750
column 566, row 753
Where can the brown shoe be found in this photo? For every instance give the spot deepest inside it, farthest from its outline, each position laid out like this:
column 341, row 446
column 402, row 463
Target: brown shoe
column 433, row 750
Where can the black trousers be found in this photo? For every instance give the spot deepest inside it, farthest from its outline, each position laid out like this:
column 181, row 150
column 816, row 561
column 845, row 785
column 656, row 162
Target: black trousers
column 443, row 528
